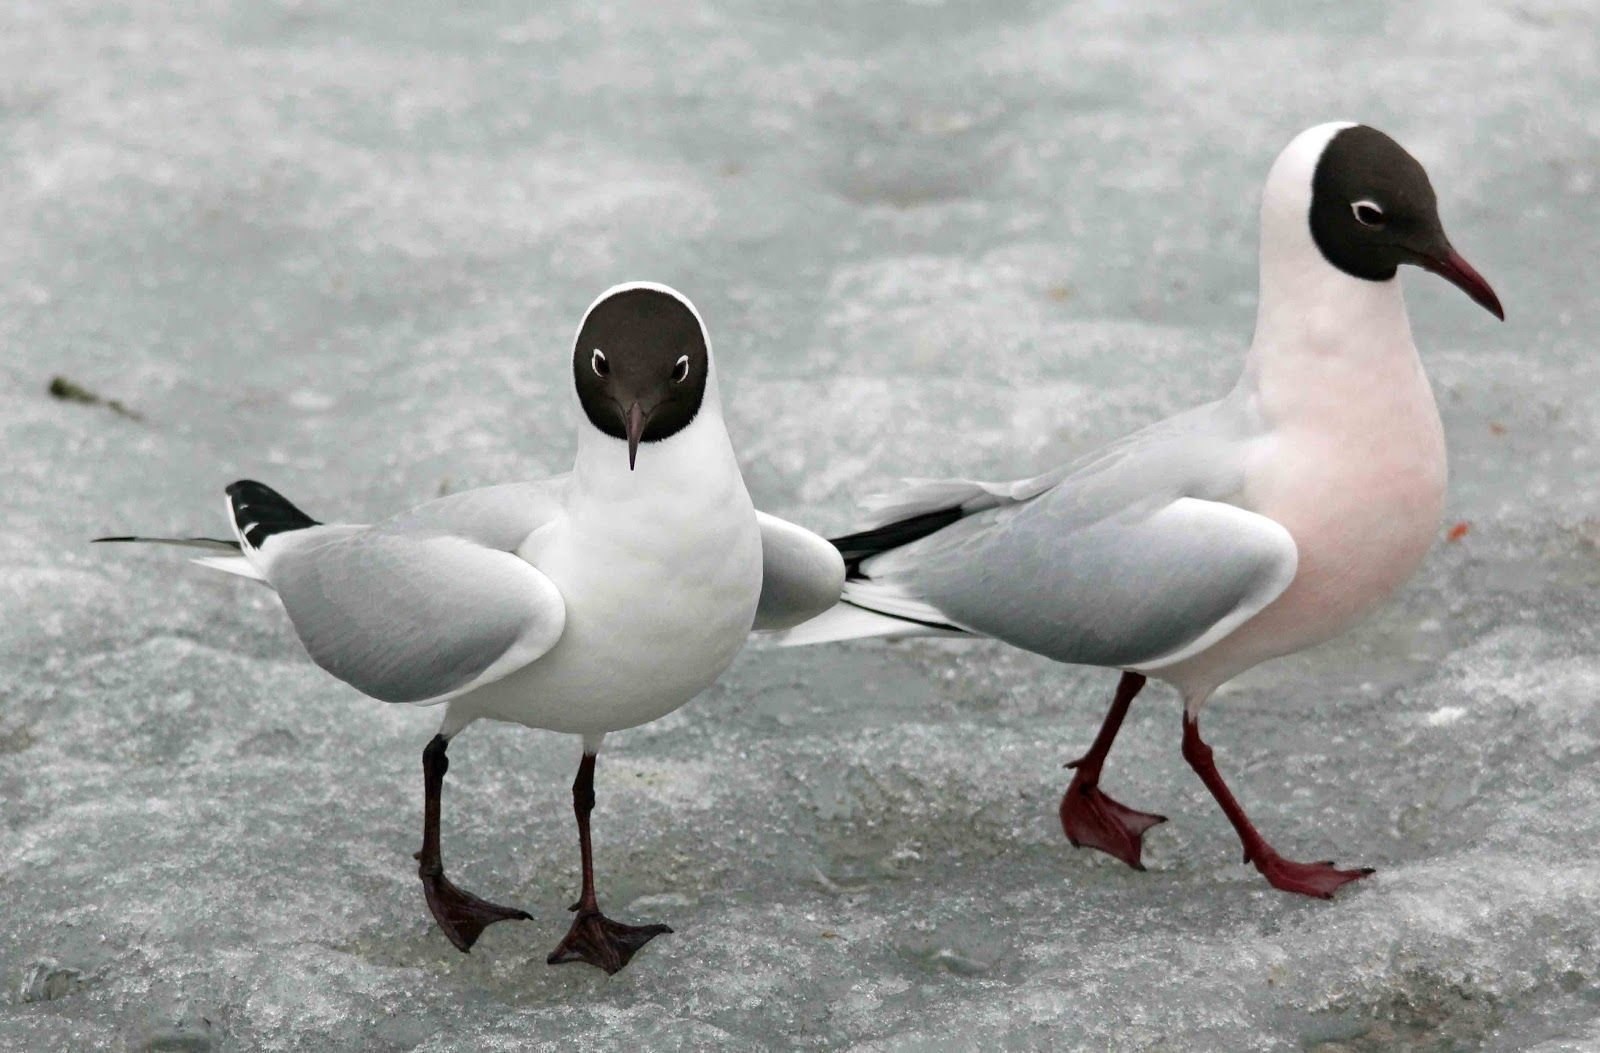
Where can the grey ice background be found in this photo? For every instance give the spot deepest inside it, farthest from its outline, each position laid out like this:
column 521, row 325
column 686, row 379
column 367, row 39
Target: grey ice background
column 341, row 247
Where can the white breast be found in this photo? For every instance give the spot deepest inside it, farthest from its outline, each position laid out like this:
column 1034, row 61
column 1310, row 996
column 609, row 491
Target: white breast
column 1362, row 496
column 1353, row 465
column 660, row 570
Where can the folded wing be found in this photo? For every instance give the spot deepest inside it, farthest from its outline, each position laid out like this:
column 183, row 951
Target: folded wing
column 1140, row 589
column 427, row 605
column 414, row 617
column 1134, row 557
column 801, row 574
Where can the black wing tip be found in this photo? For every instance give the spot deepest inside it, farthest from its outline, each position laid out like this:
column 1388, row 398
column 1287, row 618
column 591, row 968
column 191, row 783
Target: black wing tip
column 259, row 512
column 251, row 488
column 98, row 540
column 861, row 546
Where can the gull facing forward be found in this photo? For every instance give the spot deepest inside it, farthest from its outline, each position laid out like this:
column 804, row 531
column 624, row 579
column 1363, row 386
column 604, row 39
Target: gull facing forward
column 587, row 603
column 1239, row 531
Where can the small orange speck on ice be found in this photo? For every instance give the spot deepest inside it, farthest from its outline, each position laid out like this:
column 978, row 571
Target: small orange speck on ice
column 1457, row 532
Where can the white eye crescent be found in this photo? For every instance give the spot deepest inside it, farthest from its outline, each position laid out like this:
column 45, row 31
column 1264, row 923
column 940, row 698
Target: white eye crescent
column 598, row 363
column 1368, row 214
column 680, row 369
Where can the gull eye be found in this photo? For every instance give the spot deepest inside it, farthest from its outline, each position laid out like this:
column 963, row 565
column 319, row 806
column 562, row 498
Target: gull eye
column 1368, row 214
column 680, row 369
column 598, row 363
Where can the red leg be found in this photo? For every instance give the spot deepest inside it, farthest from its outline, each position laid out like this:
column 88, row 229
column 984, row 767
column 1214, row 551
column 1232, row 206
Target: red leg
column 1089, row 817
column 595, row 938
column 1309, row 879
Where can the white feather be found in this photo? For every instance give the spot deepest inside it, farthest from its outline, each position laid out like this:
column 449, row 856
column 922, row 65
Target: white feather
column 231, row 565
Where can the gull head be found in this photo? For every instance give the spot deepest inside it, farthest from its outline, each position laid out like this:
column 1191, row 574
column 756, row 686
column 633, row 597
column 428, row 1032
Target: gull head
column 640, row 363
column 1368, row 207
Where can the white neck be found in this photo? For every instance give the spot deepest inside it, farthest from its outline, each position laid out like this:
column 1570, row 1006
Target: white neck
column 681, row 465
column 1314, row 320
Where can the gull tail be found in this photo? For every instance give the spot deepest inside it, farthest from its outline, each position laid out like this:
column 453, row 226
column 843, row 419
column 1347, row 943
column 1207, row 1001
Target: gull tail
column 846, row 621
column 256, row 513
column 877, row 609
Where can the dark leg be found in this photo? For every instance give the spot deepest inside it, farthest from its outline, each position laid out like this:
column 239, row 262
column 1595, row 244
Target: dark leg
column 461, row 915
column 1088, row 816
column 1309, row 879
column 595, row 938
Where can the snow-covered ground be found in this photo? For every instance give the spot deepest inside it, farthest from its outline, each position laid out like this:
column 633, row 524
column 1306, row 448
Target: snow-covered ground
column 341, row 247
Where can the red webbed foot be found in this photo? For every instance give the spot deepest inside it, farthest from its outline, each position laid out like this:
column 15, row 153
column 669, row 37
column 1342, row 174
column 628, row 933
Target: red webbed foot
column 1320, row 879
column 1092, row 819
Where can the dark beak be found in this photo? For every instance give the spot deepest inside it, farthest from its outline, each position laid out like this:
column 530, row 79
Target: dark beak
column 1449, row 265
column 635, row 425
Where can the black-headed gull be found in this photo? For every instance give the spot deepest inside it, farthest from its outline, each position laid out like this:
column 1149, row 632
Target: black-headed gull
column 1245, row 529
column 587, row 603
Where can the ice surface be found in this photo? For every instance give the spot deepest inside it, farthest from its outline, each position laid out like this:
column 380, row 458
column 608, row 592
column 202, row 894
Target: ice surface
column 341, row 247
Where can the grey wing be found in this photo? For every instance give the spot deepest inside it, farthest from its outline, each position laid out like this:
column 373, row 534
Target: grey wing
column 412, row 615
column 801, row 574
column 1141, row 589
column 1132, row 557
column 498, row 517
column 1194, row 453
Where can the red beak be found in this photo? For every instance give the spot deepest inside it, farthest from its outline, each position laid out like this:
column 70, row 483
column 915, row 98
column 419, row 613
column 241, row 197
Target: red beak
column 1458, row 272
column 635, row 425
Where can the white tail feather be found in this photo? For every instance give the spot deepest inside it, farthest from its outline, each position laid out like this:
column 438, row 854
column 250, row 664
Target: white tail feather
column 231, row 565
column 844, row 622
